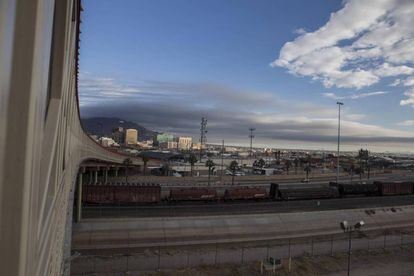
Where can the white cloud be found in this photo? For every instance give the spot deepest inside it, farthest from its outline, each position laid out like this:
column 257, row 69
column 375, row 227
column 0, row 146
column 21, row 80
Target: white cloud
column 396, row 82
column 410, row 98
column 409, row 81
column 176, row 107
column 406, row 123
column 299, row 31
column 387, row 70
column 362, row 43
column 354, row 96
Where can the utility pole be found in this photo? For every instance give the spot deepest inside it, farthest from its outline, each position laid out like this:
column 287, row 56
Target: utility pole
column 203, row 138
column 339, row 139
column 251, row 136
column 349, row 229
column 222, row 161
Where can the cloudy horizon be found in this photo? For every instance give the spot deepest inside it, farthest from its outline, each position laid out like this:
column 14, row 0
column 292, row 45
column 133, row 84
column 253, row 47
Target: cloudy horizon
column 291, row 100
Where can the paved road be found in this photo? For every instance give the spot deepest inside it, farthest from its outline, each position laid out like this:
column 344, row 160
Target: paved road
column 250, row 207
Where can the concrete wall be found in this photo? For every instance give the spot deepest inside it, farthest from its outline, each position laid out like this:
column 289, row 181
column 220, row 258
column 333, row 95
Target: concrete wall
column 42, row 141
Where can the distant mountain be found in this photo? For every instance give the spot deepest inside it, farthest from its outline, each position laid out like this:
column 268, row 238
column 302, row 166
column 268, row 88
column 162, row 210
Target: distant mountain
column 104, row 126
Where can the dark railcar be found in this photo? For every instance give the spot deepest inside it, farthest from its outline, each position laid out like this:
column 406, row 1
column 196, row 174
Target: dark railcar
column 302, row 191
column 395, row 188
column 307, row 193
column 193, row 193
column 274, row 190
column 358, row 189
column 236, row 193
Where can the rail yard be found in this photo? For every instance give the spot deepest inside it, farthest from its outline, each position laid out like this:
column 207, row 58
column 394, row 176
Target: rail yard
column 155, row 200
column 121, row 220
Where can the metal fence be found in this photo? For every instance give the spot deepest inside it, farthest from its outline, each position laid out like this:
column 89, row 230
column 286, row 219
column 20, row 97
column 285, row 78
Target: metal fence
column 155, row 259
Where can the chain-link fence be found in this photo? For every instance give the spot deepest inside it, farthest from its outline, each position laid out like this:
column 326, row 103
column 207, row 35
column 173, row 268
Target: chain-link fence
column 153, row 259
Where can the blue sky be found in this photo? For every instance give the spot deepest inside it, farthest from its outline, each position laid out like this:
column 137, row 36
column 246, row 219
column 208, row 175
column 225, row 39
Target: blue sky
column 279, row 66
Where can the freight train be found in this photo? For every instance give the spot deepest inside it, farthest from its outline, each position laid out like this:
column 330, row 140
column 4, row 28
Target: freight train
column 151, row 193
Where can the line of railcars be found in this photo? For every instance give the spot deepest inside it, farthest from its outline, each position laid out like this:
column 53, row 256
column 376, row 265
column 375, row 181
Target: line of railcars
column 149, row 193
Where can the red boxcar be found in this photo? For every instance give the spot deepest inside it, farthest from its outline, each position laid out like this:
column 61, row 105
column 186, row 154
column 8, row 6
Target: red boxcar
column 145, row 193
column 245, row 193
column 395, row 188
column 111, row 194
column 97, row 194
column 193, row 193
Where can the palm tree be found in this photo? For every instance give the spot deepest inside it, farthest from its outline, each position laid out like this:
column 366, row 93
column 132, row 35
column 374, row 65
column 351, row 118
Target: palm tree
column 165, row 169
column 233, row 168
column 296, row 162
column 277, row 157
column 307, row 169
column 288, row 164
column 192, row 159
column 359, row 171
column 261, row 163
column 210, row 164
column 363, row 156
column 145, row 159
column 127, row 162
column 352, row 169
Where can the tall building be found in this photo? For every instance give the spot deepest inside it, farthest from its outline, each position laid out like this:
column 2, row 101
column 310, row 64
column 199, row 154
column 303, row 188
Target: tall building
column 163, row 138
column 185, row 143
column 131, row 136
column 118, row 134
column 172, row 145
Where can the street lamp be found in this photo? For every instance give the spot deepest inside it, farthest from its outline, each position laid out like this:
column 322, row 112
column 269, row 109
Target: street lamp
column 339, row 140
column 349, row 229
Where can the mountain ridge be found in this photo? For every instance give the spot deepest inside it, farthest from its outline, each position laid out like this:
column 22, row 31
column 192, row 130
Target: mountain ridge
column 103, row 126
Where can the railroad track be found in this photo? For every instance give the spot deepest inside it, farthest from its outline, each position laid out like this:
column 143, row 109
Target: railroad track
column 244, row 180
column 243, row 207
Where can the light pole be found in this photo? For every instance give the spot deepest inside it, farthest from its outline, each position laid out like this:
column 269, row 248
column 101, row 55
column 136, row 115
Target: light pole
column 251, row 136
column 203, row 138
column 349, row 229
column 222, row 161
column 339, row 139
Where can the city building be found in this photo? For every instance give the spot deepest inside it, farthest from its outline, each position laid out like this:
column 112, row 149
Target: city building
column 196, row 146
column 108, row 142
column 231, row 149
column 172, row 145
column 185, row 143
column 145, row 144
column 131, row 136
column 118, row 135
column 162, row 138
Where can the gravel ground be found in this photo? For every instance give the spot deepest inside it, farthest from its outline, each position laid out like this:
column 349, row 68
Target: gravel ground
column 246, row 207
column 396, row 262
